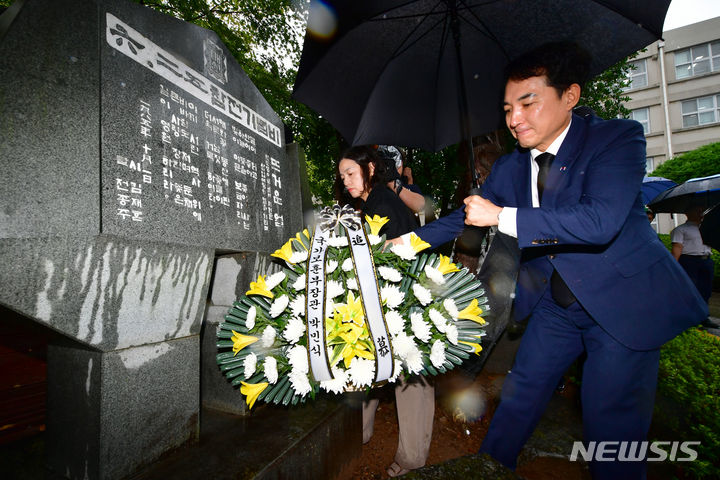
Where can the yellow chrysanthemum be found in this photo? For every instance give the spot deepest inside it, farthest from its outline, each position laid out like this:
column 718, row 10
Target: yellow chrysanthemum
column 259, row 287
column 252, row 391
column 284, row 252
column 241, row 341
column 446, row 266
column 376, row 223
column 472, row 312
column 476, row 346
column 417, row 243
column 352, row 311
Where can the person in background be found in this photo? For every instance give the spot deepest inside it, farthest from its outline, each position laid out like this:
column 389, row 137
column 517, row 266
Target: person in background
column 570, row 194
column 650, row 215
column 400, row 178
column 361, row 181
column 694, row 256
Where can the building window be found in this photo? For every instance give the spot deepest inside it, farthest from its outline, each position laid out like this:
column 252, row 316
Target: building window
column 697, row 60
column 642, row 115
column 700, row 111
column 637, row 75
column 649, row 165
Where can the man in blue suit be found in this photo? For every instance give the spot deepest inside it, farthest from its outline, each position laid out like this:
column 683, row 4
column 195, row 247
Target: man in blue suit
column 593, row 275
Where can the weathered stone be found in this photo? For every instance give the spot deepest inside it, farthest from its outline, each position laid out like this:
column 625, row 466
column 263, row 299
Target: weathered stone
column 122, row 409
column 469, row 467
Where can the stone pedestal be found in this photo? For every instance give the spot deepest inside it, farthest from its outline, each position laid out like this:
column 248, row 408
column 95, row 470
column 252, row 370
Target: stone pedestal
column 113, row 412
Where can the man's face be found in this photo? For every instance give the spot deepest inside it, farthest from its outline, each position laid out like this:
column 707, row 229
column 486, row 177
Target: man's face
column 534, row 112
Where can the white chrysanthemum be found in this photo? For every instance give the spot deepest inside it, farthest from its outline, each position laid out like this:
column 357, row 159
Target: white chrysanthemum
column 422, row 294
column 298, row 359
column 361, row 372
column 347, row 265
column 392, row 296
column 397, row 370
column 451, row 308
column 338, row 241
column 395, row 322
column 333, row 289
column 420, row 327
column 297, row 306
column 250, row 319
column 299, row 283
column 330, row 266
column 299, row 257
column 406, row 252
column 250, row 363
column 438, row 319
column 414, row 360
column 268, row 337
column 351, row 283
column 437, row 353
column 274, row 280
column 390, row 274
column 294, row 329
column 374, row 239
column 300, row 383
column 402, row 344
column 452, row 334
column 434, row 274
column 270, row 367
column 279, row 305
column 329, row 305
column 338, row 383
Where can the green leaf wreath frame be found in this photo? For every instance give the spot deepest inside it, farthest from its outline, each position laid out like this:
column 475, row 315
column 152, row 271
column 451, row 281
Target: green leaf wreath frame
column 430, row 307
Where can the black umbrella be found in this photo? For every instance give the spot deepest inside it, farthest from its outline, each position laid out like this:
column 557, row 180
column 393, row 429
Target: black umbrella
column 428, row 73
column 703, row 191
column 654, row 186
column 710, row 228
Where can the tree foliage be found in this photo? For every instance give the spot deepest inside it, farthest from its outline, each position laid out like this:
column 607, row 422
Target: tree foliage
column 605, row 93
column 701, row 162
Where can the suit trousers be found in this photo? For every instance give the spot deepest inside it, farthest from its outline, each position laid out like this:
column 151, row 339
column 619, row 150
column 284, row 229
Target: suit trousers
column 617, row 392
column 415, row 402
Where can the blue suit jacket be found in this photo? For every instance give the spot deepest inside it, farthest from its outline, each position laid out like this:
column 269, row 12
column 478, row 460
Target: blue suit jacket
column 593, row 230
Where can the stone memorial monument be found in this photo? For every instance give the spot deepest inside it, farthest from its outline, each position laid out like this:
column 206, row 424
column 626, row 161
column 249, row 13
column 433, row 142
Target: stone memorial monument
column 134, row 151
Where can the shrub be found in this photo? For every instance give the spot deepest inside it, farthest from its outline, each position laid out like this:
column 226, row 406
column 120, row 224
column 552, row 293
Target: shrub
column 689, row 378
column 700, row 162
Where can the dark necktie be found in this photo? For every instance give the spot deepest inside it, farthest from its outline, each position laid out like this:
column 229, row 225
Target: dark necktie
column 544, row 160
column 560, row 291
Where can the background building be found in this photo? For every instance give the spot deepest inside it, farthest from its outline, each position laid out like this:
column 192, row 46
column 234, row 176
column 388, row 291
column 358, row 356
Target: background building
column 675, row 94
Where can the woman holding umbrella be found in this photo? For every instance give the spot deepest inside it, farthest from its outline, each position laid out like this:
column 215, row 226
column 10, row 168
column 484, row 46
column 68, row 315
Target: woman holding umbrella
column 361, row 182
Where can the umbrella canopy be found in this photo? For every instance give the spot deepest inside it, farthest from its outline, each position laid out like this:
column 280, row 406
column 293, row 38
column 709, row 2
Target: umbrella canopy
column 654, row 186
column 703, row 191
column 710, row 228
column 388, row 71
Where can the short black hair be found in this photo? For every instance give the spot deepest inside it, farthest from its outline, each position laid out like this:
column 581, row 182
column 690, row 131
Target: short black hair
column 562, row 63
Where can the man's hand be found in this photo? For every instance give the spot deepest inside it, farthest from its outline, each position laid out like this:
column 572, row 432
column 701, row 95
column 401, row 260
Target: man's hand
column 481, row 212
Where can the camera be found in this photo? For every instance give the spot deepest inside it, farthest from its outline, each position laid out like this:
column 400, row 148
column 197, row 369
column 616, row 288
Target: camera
column 392, row 160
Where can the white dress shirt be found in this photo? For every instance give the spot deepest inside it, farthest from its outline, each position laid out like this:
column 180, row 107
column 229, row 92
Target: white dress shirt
column 507, row 222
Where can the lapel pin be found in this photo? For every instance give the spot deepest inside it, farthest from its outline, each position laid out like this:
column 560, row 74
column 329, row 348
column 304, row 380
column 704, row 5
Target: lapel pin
column 563, row 168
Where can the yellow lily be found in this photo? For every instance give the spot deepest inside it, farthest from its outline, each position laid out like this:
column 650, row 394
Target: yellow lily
column 252, row 391
column 446, row 266
column 284, row 252
column 417, row 243
column 351, row 311
column 376, row 223
column 241, row 341
column 476, row 346
column 259, row 287
column 472, row 312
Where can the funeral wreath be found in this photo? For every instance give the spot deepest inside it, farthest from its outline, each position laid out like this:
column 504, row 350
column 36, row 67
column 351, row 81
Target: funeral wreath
column 346, row 313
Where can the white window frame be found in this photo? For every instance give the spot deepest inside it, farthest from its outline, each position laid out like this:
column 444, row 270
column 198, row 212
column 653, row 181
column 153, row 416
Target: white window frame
column 698, row 116
column 644, row 122
column 649, row 165
column 696, row 59
column 635, row 77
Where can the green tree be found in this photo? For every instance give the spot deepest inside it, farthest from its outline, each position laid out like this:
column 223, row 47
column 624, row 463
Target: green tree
column 605, row 93
column 701, row 162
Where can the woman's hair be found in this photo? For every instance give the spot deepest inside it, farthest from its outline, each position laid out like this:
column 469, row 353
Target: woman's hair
column 363, row 156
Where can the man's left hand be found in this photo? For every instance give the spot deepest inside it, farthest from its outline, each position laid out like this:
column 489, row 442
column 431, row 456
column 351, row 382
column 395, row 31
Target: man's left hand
column 481, row 212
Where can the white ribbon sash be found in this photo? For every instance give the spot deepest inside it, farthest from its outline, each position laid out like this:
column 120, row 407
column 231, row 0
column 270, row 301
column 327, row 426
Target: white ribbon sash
column 315, row 306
